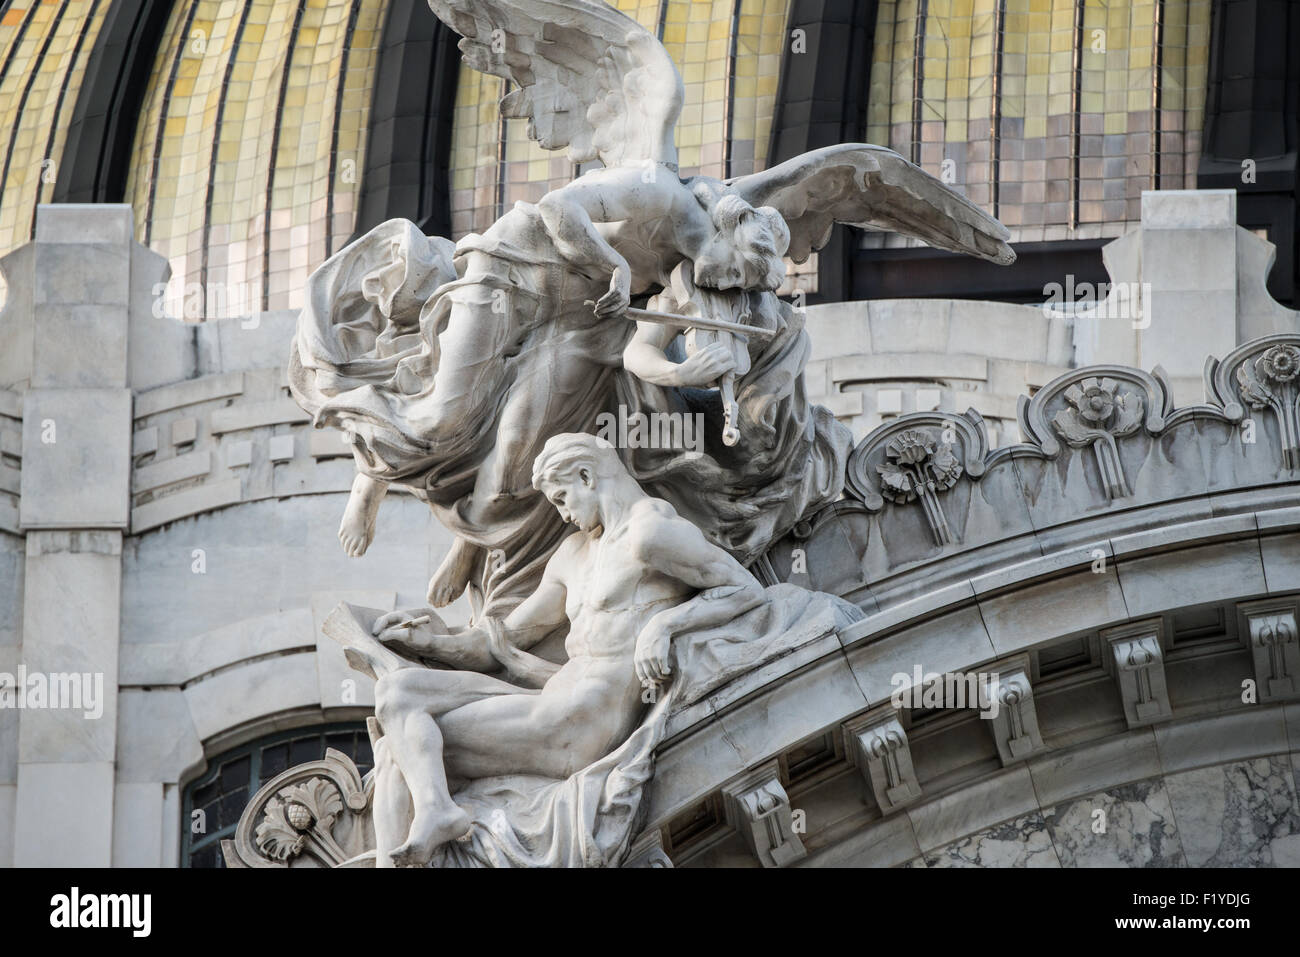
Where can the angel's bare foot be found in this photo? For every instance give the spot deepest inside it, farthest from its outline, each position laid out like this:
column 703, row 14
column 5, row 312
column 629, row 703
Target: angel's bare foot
column 355, row 534
column 357, row 530
column 429, row 831
column 452, row 576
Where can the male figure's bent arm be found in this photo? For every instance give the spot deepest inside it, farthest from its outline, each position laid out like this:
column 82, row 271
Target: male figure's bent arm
column 677, row 548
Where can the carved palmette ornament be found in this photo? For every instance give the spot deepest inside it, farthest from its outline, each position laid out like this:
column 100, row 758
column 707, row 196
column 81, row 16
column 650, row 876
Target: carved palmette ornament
column 312, row 815
column 1091, row 409
column 1261, row 375
column 300, row 816
column 920, row 466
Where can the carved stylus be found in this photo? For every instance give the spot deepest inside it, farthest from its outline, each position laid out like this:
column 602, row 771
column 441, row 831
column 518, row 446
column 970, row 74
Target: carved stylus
column 415, row 622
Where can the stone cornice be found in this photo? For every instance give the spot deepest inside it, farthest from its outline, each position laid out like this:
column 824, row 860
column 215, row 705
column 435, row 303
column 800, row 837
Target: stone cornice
column 1244, row 561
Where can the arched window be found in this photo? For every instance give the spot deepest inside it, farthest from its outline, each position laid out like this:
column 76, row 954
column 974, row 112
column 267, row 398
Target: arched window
column 214, row 801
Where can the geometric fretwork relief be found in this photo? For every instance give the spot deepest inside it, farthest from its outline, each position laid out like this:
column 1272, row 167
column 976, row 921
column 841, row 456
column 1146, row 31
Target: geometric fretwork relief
column 224, row 439
column 1097, row 438
column 11, row 457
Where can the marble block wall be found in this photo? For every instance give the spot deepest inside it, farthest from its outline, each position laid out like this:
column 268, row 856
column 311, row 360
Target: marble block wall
column 1240, row 814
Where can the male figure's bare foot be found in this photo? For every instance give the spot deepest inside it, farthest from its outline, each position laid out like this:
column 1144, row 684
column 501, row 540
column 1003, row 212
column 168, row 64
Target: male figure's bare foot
column 452, row 577
column 429, row 831
column 357, row 530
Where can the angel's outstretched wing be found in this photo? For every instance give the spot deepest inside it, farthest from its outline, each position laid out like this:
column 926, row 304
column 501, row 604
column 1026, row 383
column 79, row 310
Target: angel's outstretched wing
column 589, row 77
column 873, row 187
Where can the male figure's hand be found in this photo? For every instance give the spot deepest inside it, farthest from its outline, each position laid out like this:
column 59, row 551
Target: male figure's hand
column 414, row 629
column 651, row 656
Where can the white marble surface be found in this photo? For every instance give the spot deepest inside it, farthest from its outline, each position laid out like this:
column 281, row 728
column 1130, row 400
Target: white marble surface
column 1135, row 828
column 1243, row 814
column 1021, row 842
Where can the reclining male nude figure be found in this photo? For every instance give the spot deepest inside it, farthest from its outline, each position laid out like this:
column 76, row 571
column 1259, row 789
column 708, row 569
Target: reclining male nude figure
column 632, row 577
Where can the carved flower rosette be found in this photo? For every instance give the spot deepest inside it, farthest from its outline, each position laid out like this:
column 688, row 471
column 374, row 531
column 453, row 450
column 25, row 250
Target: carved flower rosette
column 1269, row 381
column 917, row 462
column 1098, row 412
column 920, row 465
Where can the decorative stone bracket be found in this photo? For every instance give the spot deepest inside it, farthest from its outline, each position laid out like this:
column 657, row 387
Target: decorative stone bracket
column 877, row 745
column 648, row 851
column 757, row 806
column 1269, row 626
column 1140, row 671
column 1015, row 724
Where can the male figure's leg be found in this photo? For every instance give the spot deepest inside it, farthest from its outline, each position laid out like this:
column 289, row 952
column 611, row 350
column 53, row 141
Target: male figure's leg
column 391, row 805
column 357, row 529
column 406, row 703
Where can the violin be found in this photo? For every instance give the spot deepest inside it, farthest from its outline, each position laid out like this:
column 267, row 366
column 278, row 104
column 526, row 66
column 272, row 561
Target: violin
column 732, row 307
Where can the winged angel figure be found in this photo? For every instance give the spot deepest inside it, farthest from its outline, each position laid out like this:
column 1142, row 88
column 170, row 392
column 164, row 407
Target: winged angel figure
column 449, row 365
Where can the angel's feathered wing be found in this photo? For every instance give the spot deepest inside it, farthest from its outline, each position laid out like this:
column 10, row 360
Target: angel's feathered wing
column 590, row 79
column 873, row 187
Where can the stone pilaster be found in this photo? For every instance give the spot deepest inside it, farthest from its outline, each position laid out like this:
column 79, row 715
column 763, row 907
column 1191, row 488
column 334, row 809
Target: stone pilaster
column 74, row 511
